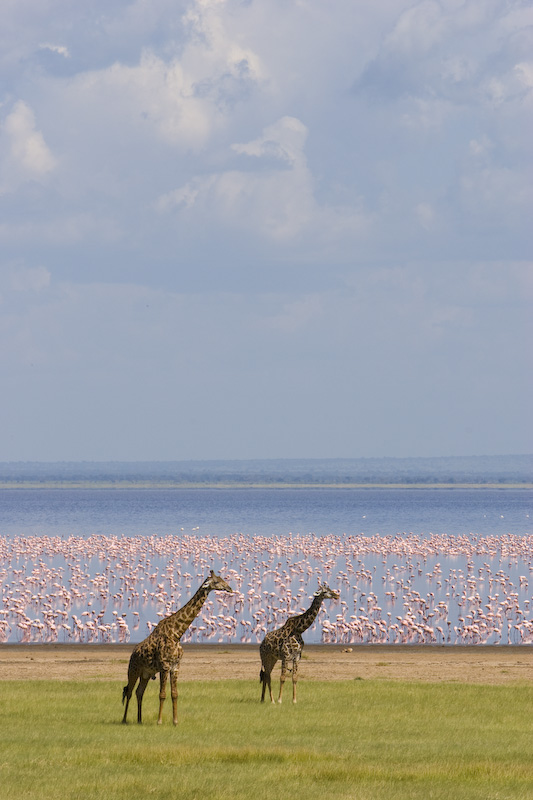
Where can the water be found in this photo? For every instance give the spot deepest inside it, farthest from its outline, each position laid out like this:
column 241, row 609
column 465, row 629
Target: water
column 431, row 566
column 265, row 512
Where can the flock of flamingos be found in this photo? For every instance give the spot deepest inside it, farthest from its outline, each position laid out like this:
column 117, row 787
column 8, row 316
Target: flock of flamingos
column 403, row 589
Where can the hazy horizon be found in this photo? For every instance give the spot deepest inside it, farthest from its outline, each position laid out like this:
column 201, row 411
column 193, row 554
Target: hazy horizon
column 282, row 458
column 463, row 470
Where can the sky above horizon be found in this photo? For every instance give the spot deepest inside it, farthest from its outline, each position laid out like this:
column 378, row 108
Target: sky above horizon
column 250, row 229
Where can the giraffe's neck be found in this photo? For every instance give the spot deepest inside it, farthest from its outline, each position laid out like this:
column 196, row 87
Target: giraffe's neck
column 181, row 620
column 304, row 621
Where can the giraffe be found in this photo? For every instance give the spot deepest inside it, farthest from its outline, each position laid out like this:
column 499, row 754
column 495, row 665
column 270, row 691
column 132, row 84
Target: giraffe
column 161, row 651
column 286, row 643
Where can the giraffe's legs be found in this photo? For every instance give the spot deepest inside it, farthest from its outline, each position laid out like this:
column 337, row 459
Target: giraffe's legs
column 174, row 694
column 266, row 679
column 174, row 683
column 163, row 675
column 282, row 678
column 294, row 678
column 143, row 682
column 268, row 661
column 126, row 695
column 128, row 691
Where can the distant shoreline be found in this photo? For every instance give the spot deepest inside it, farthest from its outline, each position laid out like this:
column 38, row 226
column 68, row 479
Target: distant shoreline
column 242, row 485
column 464, row 472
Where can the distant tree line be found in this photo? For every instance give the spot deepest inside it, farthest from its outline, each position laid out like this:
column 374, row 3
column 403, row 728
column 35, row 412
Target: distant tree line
column 468, row 469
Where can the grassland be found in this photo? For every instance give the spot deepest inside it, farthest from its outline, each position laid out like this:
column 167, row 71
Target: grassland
column 357, row 739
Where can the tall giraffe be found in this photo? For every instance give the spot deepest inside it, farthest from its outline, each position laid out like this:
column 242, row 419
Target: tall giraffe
column 161, row 651
column 286, row 643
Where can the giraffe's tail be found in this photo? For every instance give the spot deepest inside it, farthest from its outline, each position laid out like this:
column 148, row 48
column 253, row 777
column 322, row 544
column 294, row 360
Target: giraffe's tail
column 124, row 693
column 262, row 676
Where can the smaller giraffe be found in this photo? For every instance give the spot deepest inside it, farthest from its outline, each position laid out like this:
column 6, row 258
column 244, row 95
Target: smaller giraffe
column 286, row 643
column 161, row 651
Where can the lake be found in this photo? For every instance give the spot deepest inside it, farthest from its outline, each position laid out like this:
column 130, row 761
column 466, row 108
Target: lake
column 267, row 512
column 435, row 566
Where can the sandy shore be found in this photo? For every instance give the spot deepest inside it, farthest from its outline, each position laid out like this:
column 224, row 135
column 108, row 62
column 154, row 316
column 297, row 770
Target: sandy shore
column 489, row 665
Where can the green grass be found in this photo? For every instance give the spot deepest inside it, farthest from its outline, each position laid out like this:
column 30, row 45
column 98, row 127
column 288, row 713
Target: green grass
column 363, row 740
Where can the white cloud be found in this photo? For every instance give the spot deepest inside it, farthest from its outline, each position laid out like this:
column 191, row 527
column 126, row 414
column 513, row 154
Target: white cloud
column 152, row 94
column 418, row 29
column 525, row 73
column 284, row 140
column 276, row 199
column 214, row 48
column 278, row 204
column 28, row 148
column 183, row 99
column 275, row 202
column 168, row 118
column 60, row 49
column 27, row 156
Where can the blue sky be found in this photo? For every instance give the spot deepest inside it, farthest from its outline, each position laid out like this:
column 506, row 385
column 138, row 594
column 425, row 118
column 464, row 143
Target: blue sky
column 265, row 229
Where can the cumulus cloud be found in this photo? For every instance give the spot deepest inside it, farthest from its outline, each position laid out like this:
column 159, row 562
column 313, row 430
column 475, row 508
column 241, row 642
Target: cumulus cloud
column 60, row 49
column 184, row 99
column 152, row 93
column 276, row 202
column 524, row 73
column 226, row 114
column 275, row 199
column 284, row 140
column 27, row 155
column 445, row 51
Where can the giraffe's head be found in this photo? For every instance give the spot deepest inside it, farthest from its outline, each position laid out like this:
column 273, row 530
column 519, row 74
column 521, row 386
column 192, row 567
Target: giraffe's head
column 217, row 583
column 326, row 593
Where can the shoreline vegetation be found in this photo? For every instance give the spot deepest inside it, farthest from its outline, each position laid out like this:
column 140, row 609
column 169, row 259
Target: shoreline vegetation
column 465, row 472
